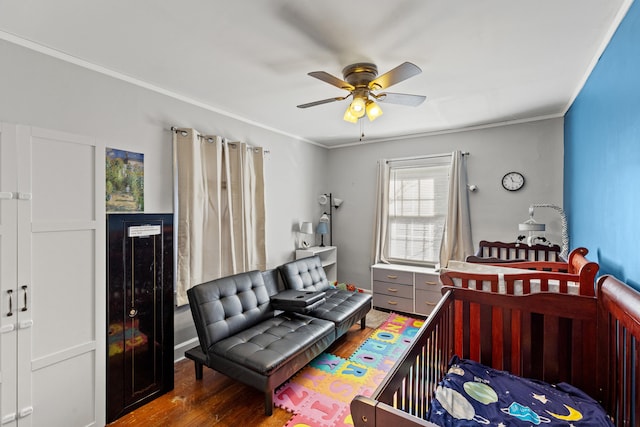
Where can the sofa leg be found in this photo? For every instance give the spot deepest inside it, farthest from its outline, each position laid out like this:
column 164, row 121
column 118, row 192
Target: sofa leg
column 363, row 322
column 198, row 370
column 268, row 403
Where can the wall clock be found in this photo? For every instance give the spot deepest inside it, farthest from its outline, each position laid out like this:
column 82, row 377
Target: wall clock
column 513, row 181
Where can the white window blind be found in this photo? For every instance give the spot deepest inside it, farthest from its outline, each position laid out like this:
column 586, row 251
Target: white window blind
column 418, row 199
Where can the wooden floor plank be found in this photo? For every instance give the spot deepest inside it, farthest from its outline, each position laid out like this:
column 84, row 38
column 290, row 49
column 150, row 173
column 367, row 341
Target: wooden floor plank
column 218, row 400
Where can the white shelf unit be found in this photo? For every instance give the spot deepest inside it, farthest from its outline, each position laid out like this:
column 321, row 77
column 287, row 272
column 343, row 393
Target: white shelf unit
column 328, row 255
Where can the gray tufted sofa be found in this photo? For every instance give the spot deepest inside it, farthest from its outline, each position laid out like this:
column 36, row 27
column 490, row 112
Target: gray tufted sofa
column 242, row 336
column 343, row 308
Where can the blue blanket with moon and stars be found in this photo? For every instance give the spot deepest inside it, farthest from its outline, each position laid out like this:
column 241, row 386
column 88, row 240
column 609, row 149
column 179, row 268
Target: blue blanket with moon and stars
column 472, row 394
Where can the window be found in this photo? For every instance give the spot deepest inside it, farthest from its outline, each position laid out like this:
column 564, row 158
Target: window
column 418, row 199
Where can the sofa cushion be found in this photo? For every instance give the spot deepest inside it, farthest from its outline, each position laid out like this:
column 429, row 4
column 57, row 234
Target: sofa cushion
column 339, row 305
column 271, row 343
column 228, row 305
column 305, row 274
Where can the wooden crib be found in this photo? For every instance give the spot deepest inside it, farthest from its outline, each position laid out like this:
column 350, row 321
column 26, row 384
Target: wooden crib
column 588, row 341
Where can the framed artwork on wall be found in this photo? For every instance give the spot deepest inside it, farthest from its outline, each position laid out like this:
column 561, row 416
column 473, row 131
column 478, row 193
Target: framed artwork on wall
column 124, row 186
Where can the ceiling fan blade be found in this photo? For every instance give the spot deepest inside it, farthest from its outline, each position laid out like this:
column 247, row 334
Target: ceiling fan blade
column 324, row 101
column 400, row 98
column 398, row 74
column 332, row 80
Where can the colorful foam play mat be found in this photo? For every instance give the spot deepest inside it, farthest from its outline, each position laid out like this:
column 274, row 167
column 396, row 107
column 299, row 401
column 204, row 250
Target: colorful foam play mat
column 320, row 394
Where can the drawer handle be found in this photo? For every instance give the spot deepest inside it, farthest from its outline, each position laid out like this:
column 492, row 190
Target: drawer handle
column 391, row 277
column 430, row 283
column 392, row 303
column 430, row 303
column 392, row 289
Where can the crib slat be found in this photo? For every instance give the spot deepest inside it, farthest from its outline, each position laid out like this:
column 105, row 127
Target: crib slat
column 484, row 334
column 551, row 338
column 497, row 337
column 635, row 383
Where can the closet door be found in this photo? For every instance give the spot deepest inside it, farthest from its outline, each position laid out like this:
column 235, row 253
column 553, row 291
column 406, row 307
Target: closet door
column 8, row 275
column 51, row 345
column 60, row 242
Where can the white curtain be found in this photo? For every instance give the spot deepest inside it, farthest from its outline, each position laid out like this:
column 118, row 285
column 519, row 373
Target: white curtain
column 380, row 251
column 457, row 243
column 220, row 209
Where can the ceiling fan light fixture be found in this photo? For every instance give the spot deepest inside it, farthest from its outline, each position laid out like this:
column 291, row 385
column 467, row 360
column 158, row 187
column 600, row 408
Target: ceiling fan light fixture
column 362, row 81
column 373, row 110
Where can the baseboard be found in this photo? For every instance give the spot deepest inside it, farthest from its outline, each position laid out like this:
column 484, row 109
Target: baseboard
column 179, row 349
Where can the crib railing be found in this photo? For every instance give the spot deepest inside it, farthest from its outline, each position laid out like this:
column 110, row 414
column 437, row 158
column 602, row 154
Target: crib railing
column 547, row 336
column 403, row 398
column 619, row 337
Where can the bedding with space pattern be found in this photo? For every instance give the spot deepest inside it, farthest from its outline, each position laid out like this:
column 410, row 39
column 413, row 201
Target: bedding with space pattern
column 472, row 394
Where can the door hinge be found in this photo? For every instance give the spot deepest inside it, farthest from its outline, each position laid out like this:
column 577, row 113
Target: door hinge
column 26, row 411
column 8, row 418
column 7, row 328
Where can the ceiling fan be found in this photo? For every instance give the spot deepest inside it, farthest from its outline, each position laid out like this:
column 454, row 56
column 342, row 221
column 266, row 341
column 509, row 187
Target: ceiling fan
column 363, row 83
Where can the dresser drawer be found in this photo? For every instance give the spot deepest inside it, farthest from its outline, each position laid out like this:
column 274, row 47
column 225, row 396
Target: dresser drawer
column 393, row 303
column 393, row 289
column 426, row 301
column 428, row 281
column 393, row 276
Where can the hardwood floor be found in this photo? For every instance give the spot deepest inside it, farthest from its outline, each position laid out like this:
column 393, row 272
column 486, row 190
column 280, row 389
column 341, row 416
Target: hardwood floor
column 218, row 400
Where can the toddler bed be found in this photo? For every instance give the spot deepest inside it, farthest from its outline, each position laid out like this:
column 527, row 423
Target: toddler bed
column 510, row 251
column 577, row 275
column 587, row 341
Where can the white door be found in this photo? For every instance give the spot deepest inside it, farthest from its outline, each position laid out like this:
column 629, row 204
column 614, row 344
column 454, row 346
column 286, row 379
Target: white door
column 60, row 279
column 8, row 275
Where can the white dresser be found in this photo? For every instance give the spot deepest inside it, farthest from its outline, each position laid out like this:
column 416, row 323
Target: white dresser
column 404, row 288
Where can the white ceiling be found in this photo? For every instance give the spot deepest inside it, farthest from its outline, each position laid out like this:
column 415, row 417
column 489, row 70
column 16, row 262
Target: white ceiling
column 482, row 61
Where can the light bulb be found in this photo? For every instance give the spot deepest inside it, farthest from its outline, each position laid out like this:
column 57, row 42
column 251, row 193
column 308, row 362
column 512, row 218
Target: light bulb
column 357, row 107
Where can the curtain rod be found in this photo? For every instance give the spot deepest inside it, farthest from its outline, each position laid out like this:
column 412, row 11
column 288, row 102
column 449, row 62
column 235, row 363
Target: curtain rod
column 209, row 139
column 426, row 156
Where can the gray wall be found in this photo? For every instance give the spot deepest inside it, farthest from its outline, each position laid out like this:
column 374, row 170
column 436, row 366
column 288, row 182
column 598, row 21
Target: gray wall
column 46, row 92
column 533, row 148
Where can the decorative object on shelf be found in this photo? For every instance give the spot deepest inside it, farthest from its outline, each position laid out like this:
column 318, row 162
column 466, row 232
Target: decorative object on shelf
column 306, row 228
column 322, row 229
column 513, row 181
column 532, row 227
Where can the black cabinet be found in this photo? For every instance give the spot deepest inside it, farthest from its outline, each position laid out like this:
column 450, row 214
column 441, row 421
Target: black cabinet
column 139, row 310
